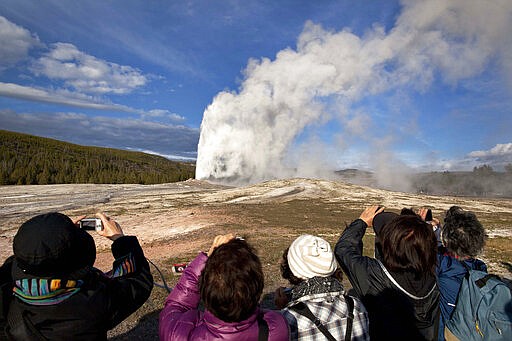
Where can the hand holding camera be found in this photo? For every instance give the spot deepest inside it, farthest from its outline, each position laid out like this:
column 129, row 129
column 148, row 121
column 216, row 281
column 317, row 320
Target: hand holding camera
column 102, row 224
column 111, row 229
column 369, row 213
column 90, row 224
column 426, row 215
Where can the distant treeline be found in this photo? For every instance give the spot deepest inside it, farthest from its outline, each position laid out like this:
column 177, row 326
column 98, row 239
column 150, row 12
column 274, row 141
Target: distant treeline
column 32, row 160
column 483, row 181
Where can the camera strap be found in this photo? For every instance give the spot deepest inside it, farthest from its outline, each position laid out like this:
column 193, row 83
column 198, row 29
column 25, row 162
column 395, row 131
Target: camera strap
column 262, row 328
column 302, row 309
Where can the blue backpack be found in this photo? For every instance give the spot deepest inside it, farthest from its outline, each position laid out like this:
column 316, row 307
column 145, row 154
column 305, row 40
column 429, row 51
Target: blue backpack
column 483, row 309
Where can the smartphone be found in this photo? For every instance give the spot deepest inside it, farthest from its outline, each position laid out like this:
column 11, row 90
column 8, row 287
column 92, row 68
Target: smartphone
column 428, row 217
column 91, row 224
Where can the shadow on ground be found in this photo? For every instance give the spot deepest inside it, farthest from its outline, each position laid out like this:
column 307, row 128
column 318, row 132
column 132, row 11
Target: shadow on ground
column 146, row 329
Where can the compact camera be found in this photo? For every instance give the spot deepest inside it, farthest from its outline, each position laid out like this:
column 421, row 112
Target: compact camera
column 179, row 268
column 91, row 224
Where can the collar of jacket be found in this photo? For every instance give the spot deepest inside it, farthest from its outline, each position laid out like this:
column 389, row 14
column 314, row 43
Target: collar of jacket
column 45, row 291
column 218, row 325
column 317, row 285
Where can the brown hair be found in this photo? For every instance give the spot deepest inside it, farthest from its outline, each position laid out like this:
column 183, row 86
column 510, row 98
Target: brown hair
column 232, row 281
column 409, row 244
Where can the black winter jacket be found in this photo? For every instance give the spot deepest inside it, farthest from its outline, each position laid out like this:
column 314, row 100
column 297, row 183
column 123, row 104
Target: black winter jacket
column 393, row 314
column 101, row 302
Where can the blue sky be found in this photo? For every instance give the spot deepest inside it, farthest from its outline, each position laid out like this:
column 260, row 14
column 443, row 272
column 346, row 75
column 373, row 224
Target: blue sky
column 284, row 85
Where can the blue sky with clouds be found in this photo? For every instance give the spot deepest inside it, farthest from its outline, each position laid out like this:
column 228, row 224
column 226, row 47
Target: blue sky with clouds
column 339, row 84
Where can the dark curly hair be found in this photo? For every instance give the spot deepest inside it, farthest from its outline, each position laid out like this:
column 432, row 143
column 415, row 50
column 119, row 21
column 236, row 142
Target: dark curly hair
column 462, row 233
column 232, row 281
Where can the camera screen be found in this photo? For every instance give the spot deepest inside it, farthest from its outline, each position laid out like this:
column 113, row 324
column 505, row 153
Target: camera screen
column 88, row 224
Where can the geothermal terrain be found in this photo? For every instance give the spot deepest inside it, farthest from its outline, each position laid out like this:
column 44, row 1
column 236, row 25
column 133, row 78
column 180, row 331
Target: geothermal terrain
column 175, row 221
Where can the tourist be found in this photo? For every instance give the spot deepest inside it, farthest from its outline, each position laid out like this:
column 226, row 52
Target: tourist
column 228, row 279
column 318, row 305
column 463, row 239
column 58, row 294
column 399, row 291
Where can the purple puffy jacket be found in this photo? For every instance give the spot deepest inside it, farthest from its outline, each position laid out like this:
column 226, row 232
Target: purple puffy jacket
column 181, row 320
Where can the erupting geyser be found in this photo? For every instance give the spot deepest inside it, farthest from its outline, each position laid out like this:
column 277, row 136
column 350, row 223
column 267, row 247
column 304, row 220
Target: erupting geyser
column 250, row 135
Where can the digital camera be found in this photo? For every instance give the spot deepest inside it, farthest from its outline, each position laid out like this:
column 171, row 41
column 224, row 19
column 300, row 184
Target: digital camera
column 179, row 268
column 91, row 224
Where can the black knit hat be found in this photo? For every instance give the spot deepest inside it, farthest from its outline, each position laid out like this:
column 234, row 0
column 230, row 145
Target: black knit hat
column 50, row 244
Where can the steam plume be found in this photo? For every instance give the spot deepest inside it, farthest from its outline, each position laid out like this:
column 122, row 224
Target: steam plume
column 255, row 133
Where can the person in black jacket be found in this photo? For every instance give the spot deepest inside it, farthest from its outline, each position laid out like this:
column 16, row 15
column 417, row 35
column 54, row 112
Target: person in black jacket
column 58, row 294
column 399, row 288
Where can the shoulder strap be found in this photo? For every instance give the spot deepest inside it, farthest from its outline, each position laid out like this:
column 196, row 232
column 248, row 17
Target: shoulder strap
column 20, row 327
column 303, row 309
column 465, row 266
column 262, row 328
column 350, row 318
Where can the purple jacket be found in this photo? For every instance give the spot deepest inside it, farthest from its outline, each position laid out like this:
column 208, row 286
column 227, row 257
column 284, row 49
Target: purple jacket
column 182, row 320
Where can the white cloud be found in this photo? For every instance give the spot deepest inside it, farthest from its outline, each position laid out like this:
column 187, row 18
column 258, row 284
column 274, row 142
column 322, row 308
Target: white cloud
column 162, row 113
column 15, row 42
column 497, row 157
column 74, row 99
column 500, row 150
column 59, row 97
column 123, row 133
column 87, row 73
column 189, row 156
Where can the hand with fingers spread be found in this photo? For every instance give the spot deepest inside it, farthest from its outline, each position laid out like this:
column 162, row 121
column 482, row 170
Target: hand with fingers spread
column 369, row 213
column 111, row 229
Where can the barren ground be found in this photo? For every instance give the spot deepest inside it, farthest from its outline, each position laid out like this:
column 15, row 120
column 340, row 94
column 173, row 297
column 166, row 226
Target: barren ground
column 175, row 221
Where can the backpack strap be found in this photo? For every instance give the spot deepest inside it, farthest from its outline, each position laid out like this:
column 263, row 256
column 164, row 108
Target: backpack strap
column 483, row 281
column 20, row 327
column 262, row 328
column 350, row 319
column 465, row 266
column 303, row 310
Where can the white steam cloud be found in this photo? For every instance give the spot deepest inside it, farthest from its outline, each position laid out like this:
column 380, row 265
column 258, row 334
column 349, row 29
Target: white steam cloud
column 251, row 135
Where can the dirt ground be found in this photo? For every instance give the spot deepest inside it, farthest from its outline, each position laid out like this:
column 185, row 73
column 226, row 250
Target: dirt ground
column 175, row 221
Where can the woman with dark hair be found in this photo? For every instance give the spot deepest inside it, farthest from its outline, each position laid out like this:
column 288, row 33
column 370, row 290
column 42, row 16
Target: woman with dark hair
column 229, row 282
column 399, row 289
column 318, row 304
column 463, row 238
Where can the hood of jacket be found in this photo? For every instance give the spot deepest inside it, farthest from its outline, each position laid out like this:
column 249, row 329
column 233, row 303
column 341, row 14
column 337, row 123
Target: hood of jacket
column 51, row 245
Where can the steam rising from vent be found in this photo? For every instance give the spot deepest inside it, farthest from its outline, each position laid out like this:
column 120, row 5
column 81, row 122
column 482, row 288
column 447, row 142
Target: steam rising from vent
column 256, row 133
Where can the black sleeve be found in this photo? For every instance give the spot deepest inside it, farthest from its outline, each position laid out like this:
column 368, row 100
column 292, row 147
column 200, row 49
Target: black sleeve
column 6, row 284
column 131, row 282
column 349, row 253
